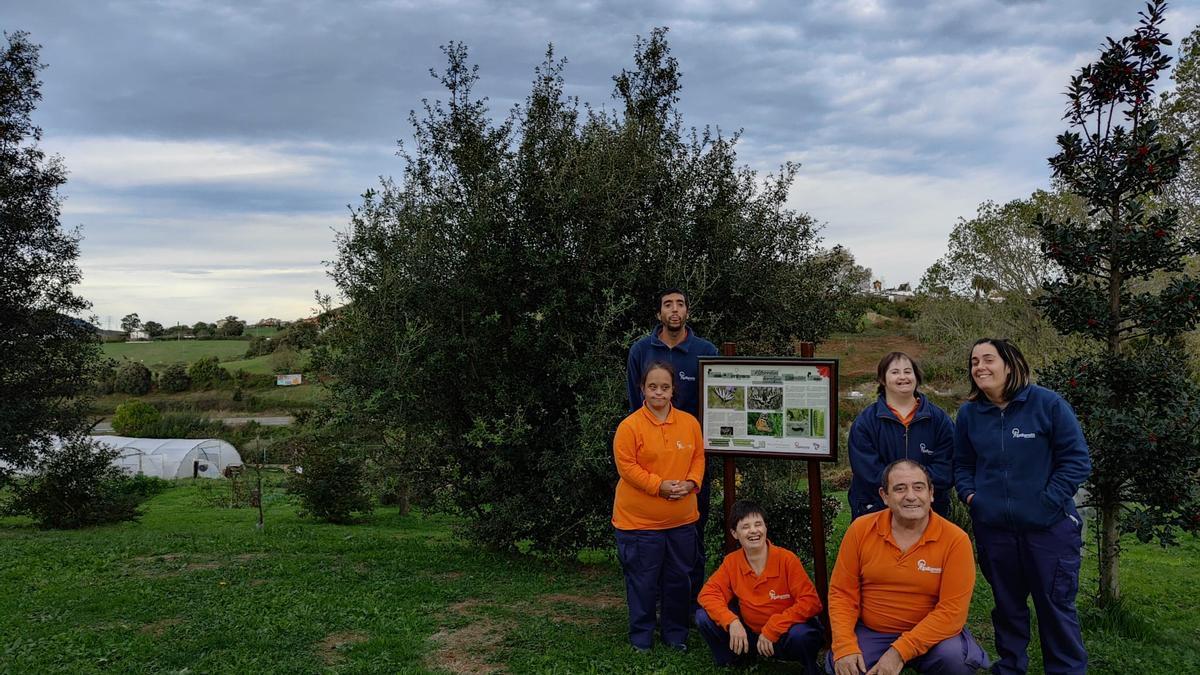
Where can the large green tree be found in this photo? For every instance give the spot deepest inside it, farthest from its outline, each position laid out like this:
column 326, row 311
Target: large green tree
column 494, row 290
column 47, row 354
column 1134, row 389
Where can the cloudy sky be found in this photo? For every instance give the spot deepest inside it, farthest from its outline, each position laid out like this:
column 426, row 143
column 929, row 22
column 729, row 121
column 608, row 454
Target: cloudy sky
column 214, row 146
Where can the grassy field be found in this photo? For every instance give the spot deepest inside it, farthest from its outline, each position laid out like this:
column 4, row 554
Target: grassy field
column 196, row 588
column 161, row 353
column 215, row 402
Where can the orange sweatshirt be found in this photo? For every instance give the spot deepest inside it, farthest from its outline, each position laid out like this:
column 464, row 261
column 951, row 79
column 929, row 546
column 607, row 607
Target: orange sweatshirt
column 923, row 594
column 648, row 452
column 769, row 604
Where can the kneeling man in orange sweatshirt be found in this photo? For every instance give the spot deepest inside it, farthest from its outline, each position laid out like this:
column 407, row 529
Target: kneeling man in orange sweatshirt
column 902, row 586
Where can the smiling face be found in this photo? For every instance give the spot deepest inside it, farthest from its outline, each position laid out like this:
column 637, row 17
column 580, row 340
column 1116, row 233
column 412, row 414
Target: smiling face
column 908, row 494
column 673, row 311
column 988, row 371
column 751, row 532
column 900, row 379
column 657, row 388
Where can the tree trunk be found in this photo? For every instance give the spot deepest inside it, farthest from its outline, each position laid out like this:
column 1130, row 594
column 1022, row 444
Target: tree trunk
column 402, row 499
column 1110, row 552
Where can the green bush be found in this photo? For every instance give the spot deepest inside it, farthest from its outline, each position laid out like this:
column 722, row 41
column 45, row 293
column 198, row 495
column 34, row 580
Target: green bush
column 174, row 378
column 331, row 481
column 104, row 377
column 75, row 486
column 207, row 372
column 260, row 346
column 136, row 418
column 132, row 378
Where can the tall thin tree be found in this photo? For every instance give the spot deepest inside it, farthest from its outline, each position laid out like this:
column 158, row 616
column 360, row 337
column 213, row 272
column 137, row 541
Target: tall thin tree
column 1133, row 390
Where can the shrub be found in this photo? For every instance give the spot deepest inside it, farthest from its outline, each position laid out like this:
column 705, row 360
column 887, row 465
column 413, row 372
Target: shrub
column 132, row 378
column 260, row 346
column 174, row 378
column 331, row 482
column 286, row 360
column 77, row 485
column 135, row 418
column 776, row 489
column 104, row 377
column 207, row 372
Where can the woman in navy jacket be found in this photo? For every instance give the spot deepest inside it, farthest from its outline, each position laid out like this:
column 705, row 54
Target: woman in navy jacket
column 901, row 424
column 1019, row 457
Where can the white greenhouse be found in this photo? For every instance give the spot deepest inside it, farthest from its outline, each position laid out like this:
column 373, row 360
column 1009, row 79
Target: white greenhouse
column 172, row 458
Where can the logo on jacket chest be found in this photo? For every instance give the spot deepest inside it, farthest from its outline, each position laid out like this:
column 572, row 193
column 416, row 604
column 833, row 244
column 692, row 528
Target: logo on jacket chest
column 925, row 450
column 684, row 376
column 1017, row 434
column 922, row 566
column 779, row 596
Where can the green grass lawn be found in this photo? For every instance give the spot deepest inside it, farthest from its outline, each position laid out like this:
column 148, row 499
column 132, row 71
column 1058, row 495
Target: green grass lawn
column 195, row 588
column 161, row 353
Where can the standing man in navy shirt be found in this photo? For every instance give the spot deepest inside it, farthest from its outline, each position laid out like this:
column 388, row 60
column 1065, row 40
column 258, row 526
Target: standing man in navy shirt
column 673, row 343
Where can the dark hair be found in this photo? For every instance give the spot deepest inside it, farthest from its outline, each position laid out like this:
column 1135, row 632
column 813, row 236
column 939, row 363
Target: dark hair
column 886, row 362
column 668, row 291
column 743, row 509
column 1018, row 368
column 660, row 365
column 887, row 472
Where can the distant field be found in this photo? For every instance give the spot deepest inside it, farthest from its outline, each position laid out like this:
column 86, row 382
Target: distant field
column 273, row 400
column 268, row 331
column 859, row 354
column 161, row 353
column 260, row 365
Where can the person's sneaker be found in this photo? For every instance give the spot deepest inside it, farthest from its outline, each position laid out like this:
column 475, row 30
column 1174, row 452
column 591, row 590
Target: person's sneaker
column 681, row 647
column 641, row 650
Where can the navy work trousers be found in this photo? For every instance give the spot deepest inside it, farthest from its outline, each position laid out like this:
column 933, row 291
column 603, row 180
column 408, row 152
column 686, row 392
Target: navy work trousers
column 957, row 655
column 800, row 643
column 1044, row 564
column 658, row 563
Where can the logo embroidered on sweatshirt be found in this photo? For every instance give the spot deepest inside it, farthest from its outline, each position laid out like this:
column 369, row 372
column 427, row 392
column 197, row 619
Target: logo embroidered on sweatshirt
column 1017, row 434
column 925, row 450
column 779, row 596
column 922, row 567
column 685, row 376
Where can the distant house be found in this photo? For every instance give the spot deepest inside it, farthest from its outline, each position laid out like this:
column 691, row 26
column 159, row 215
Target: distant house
column 901, row 293
column 221, row 323
column 138, row 334
column 269, row 323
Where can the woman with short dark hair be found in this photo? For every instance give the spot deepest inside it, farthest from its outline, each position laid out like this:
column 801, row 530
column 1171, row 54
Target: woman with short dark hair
column 1019, row 457
column 901, row 424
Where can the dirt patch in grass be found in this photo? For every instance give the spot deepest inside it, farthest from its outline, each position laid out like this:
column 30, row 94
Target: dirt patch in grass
column 598, row 601
column 470, row 649
column 467, row 606
column 159, row 627
column 256, row 582
column 575, row 609
column 332, row 648
column 201, row 566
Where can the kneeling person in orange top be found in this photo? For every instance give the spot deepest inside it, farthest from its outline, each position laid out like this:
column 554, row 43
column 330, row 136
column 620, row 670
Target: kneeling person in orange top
column 759, row 599
column 902, row 586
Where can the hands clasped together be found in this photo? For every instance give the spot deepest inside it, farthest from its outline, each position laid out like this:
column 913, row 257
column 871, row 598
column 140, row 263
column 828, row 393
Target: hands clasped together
column 675, row 489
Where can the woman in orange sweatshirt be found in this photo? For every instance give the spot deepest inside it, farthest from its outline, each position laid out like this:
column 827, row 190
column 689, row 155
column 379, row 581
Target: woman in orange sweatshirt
column 659, row 452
